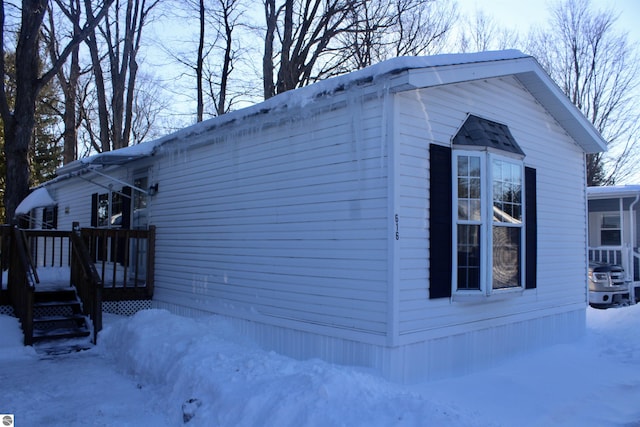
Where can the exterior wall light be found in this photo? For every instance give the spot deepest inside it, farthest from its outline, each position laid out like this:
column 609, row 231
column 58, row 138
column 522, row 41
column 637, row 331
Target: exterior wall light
column 153, row 189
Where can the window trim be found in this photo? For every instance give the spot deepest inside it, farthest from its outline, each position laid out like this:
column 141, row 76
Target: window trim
column 487, row 155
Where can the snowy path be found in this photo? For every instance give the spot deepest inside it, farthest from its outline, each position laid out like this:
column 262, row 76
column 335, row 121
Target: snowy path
column 79, row 389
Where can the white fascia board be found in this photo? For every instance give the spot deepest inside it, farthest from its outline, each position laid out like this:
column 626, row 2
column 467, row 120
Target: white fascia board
column 613, row 191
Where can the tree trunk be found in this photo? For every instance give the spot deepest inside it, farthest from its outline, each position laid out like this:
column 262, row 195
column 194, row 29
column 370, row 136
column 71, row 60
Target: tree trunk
column 199, row 65
column 286, row 64
column 271, row 17
column 226, row 66
column 19, row 128
column 101, row 93
column 70, row 88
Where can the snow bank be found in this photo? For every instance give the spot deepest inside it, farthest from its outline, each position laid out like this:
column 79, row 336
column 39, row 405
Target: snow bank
column 223, row 380
column 11, row 341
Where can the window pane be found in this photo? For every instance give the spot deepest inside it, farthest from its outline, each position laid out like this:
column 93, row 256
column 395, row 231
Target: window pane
column 507, row 243
column 463, row 188
column 507, row 192
column 468, row 257
column 463, row 166
column 468, row 188
column 610, row 237
column 474, row 166
column 463, row 210
column 116, row 209
column 474, row 210
column 474, row 188
column 611, row 221
column 103, row 210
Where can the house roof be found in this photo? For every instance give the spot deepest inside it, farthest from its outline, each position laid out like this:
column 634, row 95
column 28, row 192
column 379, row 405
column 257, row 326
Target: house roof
column 612, row 191
column 397, row 74
column 38, row 198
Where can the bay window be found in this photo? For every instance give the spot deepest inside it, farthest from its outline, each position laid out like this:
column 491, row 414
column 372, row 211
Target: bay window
column 482, row 214
column 489, row 230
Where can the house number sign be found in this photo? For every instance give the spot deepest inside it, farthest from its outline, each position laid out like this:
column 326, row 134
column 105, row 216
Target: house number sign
column 397, row 227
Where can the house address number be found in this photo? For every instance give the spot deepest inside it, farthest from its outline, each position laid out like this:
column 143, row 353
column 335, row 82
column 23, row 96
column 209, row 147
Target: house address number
column 397, row 219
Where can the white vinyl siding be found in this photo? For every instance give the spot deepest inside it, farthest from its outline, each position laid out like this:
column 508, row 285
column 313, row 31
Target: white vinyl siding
column 433, row 116
column 282, row 223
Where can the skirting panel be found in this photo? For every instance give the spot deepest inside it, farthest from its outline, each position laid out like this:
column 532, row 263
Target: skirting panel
column 125, row 308
column 472, row 351
column 6, row 310
column 428, row 360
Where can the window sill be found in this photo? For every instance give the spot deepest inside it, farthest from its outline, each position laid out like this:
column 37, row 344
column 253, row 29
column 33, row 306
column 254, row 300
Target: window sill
column 478, row 297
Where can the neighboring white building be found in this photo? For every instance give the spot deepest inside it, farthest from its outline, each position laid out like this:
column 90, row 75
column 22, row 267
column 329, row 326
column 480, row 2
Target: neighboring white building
column 614, row 233
column 423, row 217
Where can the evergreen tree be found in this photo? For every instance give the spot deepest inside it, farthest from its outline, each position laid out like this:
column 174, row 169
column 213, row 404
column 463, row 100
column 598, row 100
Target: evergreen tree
column 45, row 153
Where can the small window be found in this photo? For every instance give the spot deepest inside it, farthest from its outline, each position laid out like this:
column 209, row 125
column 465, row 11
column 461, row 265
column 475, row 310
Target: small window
column 610, row 230
column 50, row 218
column 109, row 209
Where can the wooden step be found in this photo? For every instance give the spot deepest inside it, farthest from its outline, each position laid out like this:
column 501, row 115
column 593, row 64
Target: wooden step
column 57, row 315
column 70, row 303
column 55, row 295
column 78, row 318
column 62, row 333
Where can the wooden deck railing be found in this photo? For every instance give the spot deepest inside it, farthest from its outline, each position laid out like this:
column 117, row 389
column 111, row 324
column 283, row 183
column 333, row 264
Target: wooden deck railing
column 87, row 282
column 22, row 281
column 124, row 260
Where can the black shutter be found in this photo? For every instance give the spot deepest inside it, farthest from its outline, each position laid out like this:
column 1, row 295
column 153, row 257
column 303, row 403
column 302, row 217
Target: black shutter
column 54, row 222
column 531, row 228
column 126, row 207
column 94, row 210
column 440, row 227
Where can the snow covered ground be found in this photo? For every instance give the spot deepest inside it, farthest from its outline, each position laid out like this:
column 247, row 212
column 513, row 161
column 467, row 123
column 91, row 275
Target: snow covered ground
column 157, row 369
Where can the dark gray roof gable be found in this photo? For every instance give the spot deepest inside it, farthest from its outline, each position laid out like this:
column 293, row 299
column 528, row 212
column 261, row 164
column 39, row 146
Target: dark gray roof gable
column 479, row 132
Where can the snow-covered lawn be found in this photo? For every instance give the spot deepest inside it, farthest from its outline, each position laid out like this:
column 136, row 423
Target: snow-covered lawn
column 157, row 369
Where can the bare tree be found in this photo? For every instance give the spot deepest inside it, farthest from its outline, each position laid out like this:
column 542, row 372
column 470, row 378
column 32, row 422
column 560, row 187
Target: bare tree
column 480, row 32
column 19, row 119
column 304, row 31
column 68, row 75
column 381, row 29
column 597, row 69
column 120, row 35
column 219, row 46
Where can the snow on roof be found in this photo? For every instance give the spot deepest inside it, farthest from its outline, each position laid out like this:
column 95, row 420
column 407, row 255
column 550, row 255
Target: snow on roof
column 588, row 138
column 38, row 198
column 297, row 98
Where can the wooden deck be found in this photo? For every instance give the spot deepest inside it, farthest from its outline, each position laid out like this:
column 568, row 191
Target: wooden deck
column 95, row 265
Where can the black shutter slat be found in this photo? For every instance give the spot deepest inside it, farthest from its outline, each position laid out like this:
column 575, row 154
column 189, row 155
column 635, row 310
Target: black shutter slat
column 440, row 227
column 94, row 210
column 531, row 228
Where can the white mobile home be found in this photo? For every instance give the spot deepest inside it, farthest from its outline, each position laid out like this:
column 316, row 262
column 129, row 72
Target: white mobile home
column 422, row 217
